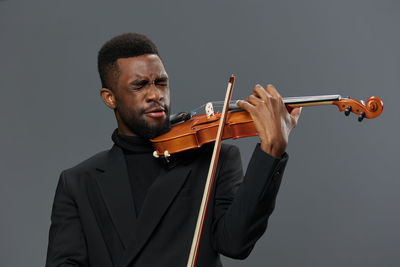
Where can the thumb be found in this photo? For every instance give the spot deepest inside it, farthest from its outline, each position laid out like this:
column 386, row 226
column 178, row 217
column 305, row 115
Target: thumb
column 295, row 114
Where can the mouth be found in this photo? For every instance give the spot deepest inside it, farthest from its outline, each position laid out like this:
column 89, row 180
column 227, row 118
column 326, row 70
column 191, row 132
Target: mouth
column 158, row 112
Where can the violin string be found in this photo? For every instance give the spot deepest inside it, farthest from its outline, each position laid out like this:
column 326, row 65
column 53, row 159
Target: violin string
column 289, row 100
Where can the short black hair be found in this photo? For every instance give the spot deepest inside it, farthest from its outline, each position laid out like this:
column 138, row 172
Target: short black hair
column 121, row 46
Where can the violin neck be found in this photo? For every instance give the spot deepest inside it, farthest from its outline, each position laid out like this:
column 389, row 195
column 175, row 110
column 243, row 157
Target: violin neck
column 301, row 101
column 309, row 101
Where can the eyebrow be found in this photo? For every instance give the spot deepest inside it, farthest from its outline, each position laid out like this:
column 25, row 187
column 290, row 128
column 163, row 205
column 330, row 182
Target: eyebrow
column 139, row 82
column 142, row 81
column 162, row 79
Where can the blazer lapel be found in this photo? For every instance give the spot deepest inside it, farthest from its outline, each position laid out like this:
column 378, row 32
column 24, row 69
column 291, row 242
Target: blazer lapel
column 115, row 188
column 158, row 199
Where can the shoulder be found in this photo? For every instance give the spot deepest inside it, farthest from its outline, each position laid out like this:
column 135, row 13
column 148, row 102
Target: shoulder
column 88, row 164
column 75, row 180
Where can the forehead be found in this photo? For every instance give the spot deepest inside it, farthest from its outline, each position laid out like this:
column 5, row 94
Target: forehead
column 144, row 66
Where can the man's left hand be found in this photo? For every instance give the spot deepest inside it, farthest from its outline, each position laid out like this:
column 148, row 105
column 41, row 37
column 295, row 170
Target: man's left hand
column 271, row 118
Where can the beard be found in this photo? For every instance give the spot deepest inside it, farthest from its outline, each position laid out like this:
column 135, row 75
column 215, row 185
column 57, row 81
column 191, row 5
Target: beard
column 133, row 119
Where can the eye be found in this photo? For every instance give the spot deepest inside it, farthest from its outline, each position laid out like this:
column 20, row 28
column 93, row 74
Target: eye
column 163, row 82
column 137, row 85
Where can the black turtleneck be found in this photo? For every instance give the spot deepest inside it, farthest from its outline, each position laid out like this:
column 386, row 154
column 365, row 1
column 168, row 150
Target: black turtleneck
column 143, row 168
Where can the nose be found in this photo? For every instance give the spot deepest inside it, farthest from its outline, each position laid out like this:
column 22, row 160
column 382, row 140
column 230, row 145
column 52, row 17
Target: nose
column 154, row 93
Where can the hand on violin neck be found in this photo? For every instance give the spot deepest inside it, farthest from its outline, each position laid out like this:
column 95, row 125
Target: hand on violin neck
column 271, row 118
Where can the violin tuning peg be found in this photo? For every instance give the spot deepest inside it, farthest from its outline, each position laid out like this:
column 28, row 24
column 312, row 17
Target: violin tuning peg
column 347, row 111
column 361, row 117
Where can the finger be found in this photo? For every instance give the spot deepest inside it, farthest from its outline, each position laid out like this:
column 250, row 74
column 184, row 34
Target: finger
column 276, row 96
column 260, row 92
column 243, row 104
column 255, row 100
column 295, row 114
column 272, row 91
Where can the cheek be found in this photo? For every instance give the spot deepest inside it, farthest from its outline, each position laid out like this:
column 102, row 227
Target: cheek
column 128, row 108
column 167, row 98
column 131, row 101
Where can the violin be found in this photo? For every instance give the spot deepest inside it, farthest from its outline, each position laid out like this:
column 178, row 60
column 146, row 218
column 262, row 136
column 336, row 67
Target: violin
column 192, row 130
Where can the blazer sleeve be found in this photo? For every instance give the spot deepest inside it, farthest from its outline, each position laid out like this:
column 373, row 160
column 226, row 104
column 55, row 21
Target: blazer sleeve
column 243, row 205
column 67, row 246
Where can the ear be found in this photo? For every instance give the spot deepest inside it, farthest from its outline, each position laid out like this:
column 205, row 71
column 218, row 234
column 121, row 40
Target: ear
column 108, row 97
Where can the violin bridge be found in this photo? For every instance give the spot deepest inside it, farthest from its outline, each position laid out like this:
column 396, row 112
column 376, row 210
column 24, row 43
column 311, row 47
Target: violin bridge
column 209, row 110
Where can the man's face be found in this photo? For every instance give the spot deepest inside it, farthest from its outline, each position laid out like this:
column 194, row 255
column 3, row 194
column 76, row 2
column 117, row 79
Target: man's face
column 142, row 96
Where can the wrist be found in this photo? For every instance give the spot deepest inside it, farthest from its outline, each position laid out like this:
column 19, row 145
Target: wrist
column 276, row 152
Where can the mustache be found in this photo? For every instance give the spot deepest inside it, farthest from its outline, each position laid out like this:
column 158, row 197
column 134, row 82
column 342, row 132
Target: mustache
column 155, row 104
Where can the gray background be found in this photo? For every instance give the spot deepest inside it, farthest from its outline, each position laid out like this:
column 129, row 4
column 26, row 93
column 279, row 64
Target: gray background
column 339, row 200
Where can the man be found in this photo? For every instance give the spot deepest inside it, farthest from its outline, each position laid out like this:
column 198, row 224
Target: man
column 123, row 207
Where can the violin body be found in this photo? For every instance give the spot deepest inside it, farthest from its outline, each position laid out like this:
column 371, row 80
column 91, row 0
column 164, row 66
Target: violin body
column 201, row 129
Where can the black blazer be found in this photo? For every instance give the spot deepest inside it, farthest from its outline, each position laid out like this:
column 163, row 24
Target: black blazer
column 93, row 220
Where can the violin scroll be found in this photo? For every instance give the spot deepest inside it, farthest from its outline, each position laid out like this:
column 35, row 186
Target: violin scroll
column 370, row 109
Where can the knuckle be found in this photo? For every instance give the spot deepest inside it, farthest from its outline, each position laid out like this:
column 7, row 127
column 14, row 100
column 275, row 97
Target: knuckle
column 256, row 87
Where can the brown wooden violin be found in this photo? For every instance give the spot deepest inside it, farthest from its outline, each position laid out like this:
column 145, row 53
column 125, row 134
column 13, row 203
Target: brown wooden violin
column 192, row 130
